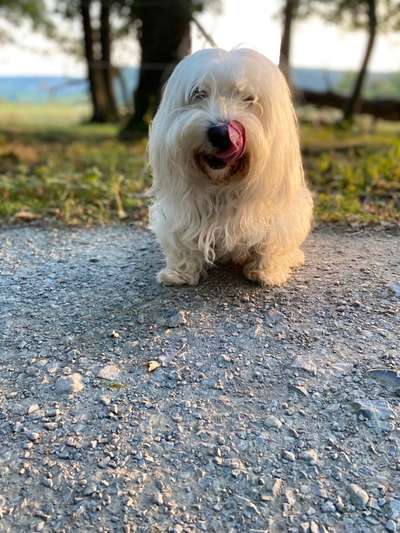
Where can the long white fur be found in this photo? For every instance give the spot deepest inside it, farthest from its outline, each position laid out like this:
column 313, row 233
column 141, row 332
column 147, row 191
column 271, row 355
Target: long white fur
column 259, row 221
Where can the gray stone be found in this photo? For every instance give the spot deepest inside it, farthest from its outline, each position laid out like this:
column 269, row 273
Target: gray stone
column 34, row 436
column 276, row 487
column 378, row 409
column 274, row 316
column 290, row 497
column 328, row 507
column 289, row 456
column 273, row 422
column 395, row 287
column 33, row 408
column 310, row 456
column 89, row 489
column 158, row 498
column 109, row 372
column 105, row 400
column 305, row 363
column 386, row 376
column 358, row 496
column 393, row 508
column 391, row 526
column 47, row 482
column 69, row 384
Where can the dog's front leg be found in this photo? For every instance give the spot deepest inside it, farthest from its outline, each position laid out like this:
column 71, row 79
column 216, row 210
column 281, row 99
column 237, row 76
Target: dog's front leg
column 271, row 267
column 183, row 267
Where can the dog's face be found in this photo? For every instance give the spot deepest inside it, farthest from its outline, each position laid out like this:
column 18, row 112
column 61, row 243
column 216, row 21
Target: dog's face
column 218, row 115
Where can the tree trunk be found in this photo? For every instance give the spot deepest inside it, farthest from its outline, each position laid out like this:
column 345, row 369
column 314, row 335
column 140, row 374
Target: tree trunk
column 164, row 39
column 354, row 102
column 284, row 55
column 88, row 43
column 106, row 67
column 98, row 95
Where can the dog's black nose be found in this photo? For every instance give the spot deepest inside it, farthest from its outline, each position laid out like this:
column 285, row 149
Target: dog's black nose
column 218, row 136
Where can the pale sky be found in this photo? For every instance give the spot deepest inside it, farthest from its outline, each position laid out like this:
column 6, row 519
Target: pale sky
column 242, row 23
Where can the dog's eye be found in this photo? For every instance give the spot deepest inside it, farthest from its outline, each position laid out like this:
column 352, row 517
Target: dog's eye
column 248, row 99
column 198, row 94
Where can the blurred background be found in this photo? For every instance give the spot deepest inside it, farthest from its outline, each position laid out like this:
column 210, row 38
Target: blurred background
column 81, row 79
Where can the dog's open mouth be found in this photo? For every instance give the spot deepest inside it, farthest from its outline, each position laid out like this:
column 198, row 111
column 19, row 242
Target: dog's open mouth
column 210, row 165
column 215, row 162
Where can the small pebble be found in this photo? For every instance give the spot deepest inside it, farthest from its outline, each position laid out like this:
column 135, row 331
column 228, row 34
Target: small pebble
column 50, row 426
column 328, row 507
column 109, row 372
column 69, row 384
column 47, row 482
column 158, row 498
column 288, row 455
column 33, row 436
column 105, row 400
column 394, row 508
column 33, row 408
column 177, row 319
column 276, row 487
column 358, row 496
column 310, row 456
column 391, row 525
column 273, row 422
column 89, row 489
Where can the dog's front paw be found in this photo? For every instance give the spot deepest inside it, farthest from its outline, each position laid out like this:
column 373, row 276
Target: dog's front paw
column 167, row 276
column 269, row 278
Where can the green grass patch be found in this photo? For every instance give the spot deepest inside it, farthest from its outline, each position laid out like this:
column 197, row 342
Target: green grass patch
column 355, row 178
column 67, row 170
column 55, row 166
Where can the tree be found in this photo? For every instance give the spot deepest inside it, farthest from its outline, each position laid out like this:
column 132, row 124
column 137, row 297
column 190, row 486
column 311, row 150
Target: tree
column 289, row 13
column 371, row 15
column 358, row 14
column 98, row 35
column 106, row 65
column 163, row 28
column 34, row 11
column 354, row 102
column 98, row 46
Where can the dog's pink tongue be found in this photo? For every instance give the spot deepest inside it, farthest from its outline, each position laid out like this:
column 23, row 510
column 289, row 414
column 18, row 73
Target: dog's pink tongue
column 237, row 137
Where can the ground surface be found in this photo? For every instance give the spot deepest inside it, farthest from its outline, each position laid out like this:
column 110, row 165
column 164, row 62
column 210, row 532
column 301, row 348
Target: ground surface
column 265, row 414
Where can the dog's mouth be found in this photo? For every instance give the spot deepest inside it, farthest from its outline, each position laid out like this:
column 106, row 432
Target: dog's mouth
column 228, row 142
column 214, row 162
column 210, row 164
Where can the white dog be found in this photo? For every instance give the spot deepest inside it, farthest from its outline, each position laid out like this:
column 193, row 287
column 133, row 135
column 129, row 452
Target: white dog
column 228, row 178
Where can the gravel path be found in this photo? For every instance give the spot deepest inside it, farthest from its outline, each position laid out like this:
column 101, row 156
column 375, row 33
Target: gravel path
column 126, row 406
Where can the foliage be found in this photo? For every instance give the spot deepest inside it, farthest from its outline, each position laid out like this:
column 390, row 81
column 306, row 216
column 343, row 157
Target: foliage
column 35, row 11
column 352, row 14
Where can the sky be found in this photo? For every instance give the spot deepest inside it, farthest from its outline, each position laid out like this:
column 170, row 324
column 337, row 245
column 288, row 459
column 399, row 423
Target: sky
column 249, row 23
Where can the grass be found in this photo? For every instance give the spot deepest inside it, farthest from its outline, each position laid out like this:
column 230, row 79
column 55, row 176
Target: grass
column 54, row 166
column 355, row 175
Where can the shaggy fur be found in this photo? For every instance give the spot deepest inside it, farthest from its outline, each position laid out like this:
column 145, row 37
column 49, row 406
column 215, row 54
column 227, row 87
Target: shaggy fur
column 255, row 211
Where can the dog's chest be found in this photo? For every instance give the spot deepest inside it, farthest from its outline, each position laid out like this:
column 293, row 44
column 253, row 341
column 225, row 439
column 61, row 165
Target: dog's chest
column 222, row 233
